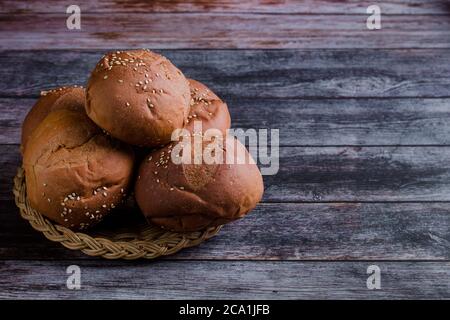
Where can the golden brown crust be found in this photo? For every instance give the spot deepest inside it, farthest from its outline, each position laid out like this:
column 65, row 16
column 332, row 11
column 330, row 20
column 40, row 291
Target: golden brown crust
column 138, row 96
column 208, row 108
column 75, row 174
column 71, row 98
column 189, row 197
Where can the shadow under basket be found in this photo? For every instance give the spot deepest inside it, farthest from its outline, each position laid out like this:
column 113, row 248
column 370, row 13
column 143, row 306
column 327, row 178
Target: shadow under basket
column 122, row 235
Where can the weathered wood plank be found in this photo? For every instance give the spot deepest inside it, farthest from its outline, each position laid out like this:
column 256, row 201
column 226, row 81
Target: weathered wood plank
column 333, row 174
column 256, row 73
column 361, row 174
column 12, row 114
column 220, row 30
column 223, row 280
column 304, row 122
column 252, row 6
column 283, row 231
column 9, row 161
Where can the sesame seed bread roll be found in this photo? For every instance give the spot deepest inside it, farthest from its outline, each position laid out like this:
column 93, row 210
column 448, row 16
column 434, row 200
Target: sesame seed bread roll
column 190, row 197
column 75, row 174
column 208, row 108
column 71, row 98
column 138, row 96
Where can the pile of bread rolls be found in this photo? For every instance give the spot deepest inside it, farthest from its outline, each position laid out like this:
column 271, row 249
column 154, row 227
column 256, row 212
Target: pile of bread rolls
column 86, row 150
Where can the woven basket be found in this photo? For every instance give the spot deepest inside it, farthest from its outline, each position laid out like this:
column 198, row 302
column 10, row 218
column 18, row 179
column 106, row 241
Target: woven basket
column 134, row 239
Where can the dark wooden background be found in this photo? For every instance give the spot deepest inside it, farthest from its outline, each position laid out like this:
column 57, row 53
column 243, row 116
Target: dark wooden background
column 365, row 144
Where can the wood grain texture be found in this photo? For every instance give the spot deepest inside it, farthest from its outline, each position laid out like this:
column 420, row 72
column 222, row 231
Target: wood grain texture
column 220, row 30
column 223, row 280
column 360, row 174
column 252, row 6
column 283, row 231
column 310, row 122
column 10, row 158
column 239, row 74
column 333, row 174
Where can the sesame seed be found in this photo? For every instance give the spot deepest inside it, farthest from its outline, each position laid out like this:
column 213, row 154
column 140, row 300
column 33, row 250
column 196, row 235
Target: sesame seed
column 49, row 200
column 105, row 77
column 44, row 184
column 120, row 81
column 171, row 189
column 127, row 104
column 105, row 194
column 104, row 206
column 182, row 188
column 121, row 190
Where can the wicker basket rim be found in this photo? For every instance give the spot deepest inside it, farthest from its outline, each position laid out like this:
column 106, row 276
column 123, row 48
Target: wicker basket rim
column 150, row 243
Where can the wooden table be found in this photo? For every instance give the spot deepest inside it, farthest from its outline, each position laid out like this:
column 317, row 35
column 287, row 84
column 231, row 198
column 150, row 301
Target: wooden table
column 364, row 120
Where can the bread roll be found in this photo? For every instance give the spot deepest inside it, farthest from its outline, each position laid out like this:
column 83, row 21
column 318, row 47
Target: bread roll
column 189, row 197
column 71, row 98
column 208, row 108
column 75, row 174
column 138, row 96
